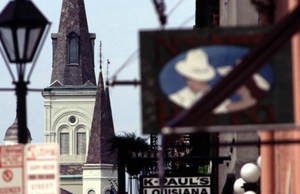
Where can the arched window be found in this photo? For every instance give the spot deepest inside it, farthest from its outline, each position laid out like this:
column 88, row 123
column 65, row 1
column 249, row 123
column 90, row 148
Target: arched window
column 91, row 192
column 64, row 137
column 81, row 141
column 107, row 192
column 73, row 49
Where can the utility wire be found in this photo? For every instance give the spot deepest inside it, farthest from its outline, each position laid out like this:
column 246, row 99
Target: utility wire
column 29, row 89
column 187, row 20
column 136, row 53
column 133, row 56
column 174, row 8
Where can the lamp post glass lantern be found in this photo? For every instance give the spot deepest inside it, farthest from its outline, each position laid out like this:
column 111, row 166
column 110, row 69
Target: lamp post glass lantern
column 249, row 181
column 22, row 31
column 250, row 173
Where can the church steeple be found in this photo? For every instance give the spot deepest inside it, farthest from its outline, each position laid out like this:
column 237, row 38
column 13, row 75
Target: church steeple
column 73, row 47
column 77, row 112
column 102, row 128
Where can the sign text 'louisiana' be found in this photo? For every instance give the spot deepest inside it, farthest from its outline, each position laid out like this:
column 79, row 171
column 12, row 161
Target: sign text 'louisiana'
column 176, row 185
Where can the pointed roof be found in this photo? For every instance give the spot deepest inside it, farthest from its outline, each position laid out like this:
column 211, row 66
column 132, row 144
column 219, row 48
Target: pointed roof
column 102, row 128
column 73, row 23
column 63, row 191
column 110, row 119
column 12, row 132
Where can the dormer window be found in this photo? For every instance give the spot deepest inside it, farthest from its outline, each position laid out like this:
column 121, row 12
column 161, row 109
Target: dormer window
column 73, row 49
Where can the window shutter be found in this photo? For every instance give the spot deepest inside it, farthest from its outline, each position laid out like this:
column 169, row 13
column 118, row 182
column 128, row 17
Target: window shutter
column 73, row 51
column 81, row 143
column 64, row 143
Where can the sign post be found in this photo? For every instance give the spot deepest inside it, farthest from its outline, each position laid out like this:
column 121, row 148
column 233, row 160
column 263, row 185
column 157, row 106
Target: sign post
column 11, row 169
column 29, row 169
column 42, row 169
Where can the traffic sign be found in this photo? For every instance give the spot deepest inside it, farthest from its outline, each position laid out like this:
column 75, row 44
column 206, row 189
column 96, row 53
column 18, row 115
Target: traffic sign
column 42, row 172
column 11, row 169
column 29, row 169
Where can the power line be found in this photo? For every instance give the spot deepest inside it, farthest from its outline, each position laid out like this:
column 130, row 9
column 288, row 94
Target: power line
column 160, row 8
column 29, row 89
column 133, row 56
column 174, row 8
column 187, row 20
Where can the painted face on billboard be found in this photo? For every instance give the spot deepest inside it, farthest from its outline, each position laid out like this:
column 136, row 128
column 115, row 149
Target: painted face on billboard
column 190, row 75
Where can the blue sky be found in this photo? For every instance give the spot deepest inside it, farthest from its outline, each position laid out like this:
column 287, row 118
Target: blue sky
column 116, row 24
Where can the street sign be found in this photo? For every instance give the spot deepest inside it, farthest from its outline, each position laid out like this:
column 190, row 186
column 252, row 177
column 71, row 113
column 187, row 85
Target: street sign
column 42, row 169
column 29, row 169
column 11, row 169
column 180, row 185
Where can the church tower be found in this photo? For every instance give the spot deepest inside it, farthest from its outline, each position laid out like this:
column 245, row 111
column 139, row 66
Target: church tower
column 69, row 100
column 100, row 161
column 73, row 47
column 77, row 110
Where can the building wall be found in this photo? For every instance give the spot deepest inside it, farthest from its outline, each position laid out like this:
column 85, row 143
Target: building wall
column 71, row 112
column 71, row 184
column 237, row 13
column 280, row 162
column 92, row 173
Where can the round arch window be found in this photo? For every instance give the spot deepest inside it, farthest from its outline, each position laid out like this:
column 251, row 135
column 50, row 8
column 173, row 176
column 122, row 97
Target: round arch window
column 73, row 120
column 91, row 192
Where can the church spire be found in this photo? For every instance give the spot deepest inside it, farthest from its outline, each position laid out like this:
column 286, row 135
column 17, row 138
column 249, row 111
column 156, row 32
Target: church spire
column 73, row 47
column 102, row 128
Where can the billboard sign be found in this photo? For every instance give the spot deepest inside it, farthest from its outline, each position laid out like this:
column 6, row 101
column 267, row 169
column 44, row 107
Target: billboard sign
column 199, row 184
column 179, row 67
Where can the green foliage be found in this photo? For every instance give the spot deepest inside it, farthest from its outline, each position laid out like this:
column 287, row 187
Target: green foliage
column 126, row 145
column 128, row 142
column 203, row 169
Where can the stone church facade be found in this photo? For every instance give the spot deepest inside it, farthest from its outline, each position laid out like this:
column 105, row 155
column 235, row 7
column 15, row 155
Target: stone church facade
column 77, row 109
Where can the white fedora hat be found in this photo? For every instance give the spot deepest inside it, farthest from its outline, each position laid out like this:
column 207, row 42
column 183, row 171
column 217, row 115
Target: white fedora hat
column 196, row 66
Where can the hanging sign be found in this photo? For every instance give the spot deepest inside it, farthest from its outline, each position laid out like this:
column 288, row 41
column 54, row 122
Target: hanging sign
column 179, row 67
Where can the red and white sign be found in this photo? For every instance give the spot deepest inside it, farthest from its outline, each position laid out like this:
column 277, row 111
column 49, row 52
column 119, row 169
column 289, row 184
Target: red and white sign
column 42, row 171
column 11, row 169
column 30, row 169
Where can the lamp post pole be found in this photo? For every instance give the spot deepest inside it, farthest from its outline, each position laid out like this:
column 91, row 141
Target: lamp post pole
column 21, row 92
column 23, row 29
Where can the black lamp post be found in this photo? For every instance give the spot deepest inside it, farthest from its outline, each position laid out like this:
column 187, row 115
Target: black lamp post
column 22, row 32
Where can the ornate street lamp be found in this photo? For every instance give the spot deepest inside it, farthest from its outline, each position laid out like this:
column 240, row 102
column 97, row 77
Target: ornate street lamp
column 23, row 29
column 248, row 184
